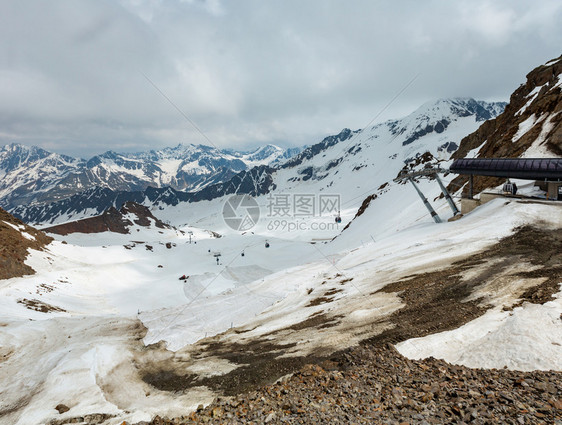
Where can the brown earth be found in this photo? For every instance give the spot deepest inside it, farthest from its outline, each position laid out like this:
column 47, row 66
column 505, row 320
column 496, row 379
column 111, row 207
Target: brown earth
column 436, row 301
column 40, row 306
column 14, row 246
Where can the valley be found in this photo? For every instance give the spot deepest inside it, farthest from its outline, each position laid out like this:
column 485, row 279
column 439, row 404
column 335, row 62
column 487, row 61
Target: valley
column 311, row 289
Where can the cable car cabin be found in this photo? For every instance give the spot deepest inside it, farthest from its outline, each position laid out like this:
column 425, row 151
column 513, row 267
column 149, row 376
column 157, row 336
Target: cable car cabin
column 338, row 218
column 507, row 187
column 510, row 188
column 267, row 244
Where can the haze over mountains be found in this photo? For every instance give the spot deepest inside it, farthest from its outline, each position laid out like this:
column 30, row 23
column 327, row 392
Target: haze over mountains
column 47, row 188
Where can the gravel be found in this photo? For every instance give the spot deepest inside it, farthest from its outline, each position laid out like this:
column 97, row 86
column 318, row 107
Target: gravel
column 371, row 384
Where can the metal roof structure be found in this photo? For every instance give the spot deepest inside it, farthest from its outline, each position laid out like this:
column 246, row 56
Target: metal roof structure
column 516, row 168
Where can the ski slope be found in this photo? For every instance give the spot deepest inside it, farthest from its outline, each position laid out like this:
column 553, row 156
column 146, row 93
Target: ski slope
column 111, row 288
column 114, row 304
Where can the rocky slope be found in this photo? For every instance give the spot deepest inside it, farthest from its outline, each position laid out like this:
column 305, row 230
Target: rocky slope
column 112, row 220
column 16, row 238
column 530, row 126
column 377, row 385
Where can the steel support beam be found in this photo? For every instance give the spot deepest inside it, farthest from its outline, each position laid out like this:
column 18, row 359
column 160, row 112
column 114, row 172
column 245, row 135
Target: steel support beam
column 447, row 195
column 436, row 217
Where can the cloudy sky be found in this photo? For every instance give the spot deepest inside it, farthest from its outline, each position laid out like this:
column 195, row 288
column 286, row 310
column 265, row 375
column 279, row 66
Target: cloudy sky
column 81, row 77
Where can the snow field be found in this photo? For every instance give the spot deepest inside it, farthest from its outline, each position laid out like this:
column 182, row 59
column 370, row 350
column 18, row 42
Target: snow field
column 87, row 349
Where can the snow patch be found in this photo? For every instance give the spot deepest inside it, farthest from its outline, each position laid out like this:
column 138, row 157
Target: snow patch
column 528, row 338
column 538, row 149
column 524, row 127
column 532, row 96
column 473, row 153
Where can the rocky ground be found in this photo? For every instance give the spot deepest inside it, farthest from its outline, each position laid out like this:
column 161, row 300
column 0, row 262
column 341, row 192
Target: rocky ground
column 372, row 384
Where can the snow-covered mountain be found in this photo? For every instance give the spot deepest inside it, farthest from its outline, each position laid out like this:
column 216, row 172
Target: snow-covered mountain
column 95, row 201
column 33, row 176
column 435, row 127
column 339, row 163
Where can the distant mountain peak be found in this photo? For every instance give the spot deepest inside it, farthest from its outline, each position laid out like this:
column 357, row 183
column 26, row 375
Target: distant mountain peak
column 436, row 115
column 32, row 175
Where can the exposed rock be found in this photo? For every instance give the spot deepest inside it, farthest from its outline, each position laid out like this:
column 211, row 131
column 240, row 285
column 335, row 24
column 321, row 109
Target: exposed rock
column 40, row 306
column 378, row 385
column 62, row 408
column 111, row 220
column 16, row 238
column 314, row 150
column 538, row 100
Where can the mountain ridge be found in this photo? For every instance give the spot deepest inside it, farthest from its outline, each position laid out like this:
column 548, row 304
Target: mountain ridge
column 32, row 175
column 317, row 166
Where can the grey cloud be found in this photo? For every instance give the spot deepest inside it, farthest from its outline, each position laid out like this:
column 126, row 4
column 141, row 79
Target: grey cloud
column 250, row 72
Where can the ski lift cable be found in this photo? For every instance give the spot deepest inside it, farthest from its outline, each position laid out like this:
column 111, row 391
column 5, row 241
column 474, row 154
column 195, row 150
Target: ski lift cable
column 331, row 266
column 380, row 113
column 183, row 114
column 234, row 258
column 155, row 339
column 237, row 257
column 371, row 191
column 249, row 290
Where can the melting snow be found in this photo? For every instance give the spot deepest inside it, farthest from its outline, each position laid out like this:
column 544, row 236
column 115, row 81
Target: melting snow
column 538, row 149
column 524, row 127
column 532, row 331
column 82, row 356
